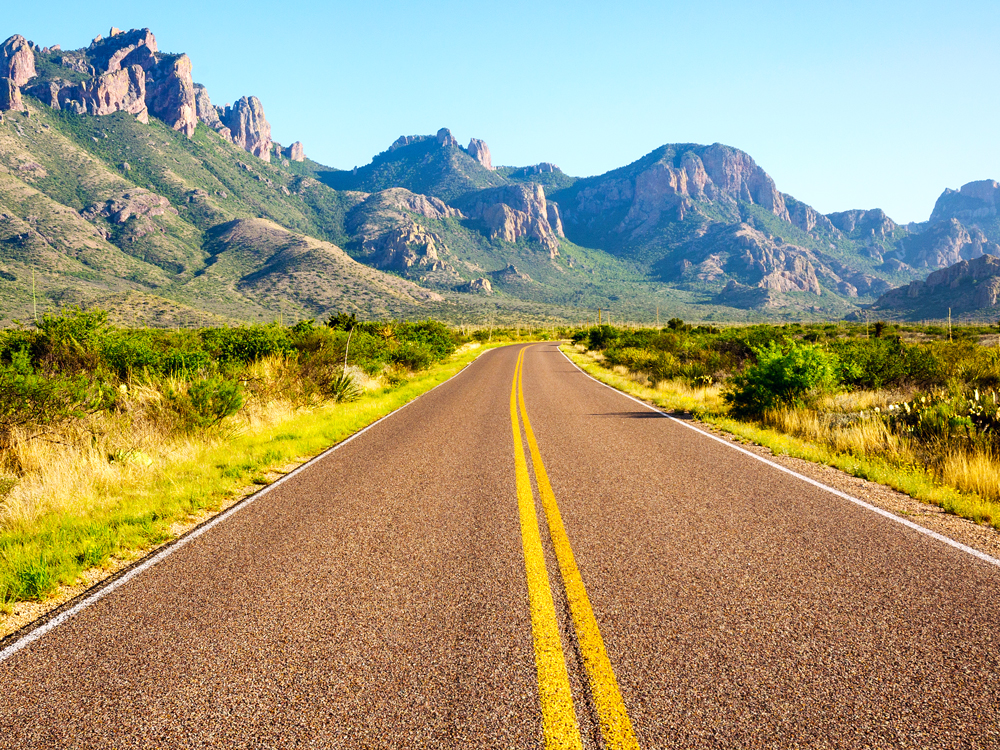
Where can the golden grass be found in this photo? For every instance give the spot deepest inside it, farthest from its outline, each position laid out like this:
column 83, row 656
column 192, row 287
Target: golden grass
column 977, row 473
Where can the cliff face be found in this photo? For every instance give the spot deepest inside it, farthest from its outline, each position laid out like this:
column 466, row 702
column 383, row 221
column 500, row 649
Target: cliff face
column 517, row 211
column 971, row 202
column 126, row 72
column 945, row 243
column 17, row 60
column 248, row 127
column 479, row 151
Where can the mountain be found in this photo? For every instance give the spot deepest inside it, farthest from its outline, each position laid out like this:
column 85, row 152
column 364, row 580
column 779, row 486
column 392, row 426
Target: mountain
column 121, row 181
column 969, row 288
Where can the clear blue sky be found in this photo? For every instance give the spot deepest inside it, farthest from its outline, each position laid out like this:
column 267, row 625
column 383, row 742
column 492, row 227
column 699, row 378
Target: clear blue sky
column 846, row 104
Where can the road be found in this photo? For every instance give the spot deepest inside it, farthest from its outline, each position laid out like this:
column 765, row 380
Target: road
column 563, row 569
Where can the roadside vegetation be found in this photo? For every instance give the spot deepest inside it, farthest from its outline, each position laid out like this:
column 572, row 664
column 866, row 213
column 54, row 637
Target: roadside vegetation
column 112, row 438
column 913, row 407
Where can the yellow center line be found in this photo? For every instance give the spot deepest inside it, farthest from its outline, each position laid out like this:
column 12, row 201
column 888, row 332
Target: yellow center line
column 616, row 727
column 559, row 725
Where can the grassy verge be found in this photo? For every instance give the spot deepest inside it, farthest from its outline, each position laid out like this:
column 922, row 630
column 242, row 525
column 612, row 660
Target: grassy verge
column 706, row 404
column 38, row 553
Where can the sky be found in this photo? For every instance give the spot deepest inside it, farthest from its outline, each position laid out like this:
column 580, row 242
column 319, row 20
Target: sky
column 845, row 104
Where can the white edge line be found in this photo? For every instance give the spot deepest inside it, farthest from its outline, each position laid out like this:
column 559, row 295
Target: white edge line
column 868, row 506
column 62, row 617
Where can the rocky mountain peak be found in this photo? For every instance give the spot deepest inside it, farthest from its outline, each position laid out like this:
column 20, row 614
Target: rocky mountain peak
column 671, row 181
column 479, row 151
column 445, row 138
column 17, row 60
column 108, row 55
column 972, row 201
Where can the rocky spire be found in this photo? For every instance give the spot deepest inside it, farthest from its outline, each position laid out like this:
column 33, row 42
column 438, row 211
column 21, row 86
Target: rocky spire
column 249, row 127
column 479, row 151
column 17, row 60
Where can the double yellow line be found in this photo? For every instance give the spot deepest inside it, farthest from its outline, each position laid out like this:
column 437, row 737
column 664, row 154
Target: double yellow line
column 559, row 722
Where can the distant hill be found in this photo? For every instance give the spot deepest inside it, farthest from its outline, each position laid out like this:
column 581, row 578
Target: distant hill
column 969, row 289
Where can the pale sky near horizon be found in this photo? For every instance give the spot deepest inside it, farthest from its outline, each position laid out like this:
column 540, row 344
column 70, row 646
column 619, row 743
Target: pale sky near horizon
column 854, row 104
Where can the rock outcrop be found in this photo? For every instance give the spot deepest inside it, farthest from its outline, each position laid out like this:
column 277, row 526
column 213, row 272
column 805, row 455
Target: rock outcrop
column 873, row 223
column 295, row 152
column 479, row 151
column 128, row 73
column 545, row 167
column 805, row 217
column 946, row 243
column 17, row 60
column 109, row 55
column 407, row 248
column 481, row 285
column 445, row 138
column 129, row 204
column 401, row 199
column 123, row 90
column 209, row 114
column 510, row 275
column 10, row 95
column 515, row 211
column 170, row 94
column 248, row 126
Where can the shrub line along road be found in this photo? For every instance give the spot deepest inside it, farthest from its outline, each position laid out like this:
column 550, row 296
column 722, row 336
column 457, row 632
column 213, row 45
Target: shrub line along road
column 407, row 590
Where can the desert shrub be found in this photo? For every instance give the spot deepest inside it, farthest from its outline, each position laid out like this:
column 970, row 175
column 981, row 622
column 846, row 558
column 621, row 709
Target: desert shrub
column 782, row 376
column 32, row 399
column 885, row 362
column 71, row 340
column 245, row 344
column 413, row 355
column 207, row 402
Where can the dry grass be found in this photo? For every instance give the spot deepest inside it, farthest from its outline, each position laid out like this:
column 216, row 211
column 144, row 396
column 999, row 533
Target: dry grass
column 977, row 473
column 857, row 436
column 82, row 465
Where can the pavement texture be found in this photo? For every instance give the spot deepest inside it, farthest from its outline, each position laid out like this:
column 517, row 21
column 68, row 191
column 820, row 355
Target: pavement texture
column 379, row 599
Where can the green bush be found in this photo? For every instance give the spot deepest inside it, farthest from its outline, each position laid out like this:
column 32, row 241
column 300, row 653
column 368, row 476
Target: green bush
column 207, row 402
column 29, row 398
column 782, row 376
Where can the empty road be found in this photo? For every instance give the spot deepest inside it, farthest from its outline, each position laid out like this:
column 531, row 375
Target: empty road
column 524, row 558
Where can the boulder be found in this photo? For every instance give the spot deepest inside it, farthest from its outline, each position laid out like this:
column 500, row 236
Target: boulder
column 249, row 127
column 481, row 285
column 295, row 152
column 10, row 96
column 170, row 94
column 479, row 151
column 17, row 60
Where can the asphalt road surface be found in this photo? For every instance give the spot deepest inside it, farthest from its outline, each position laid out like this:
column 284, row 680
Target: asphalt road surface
column 563, row 569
